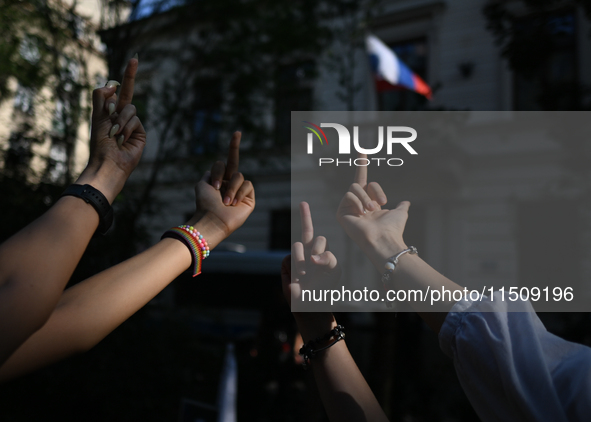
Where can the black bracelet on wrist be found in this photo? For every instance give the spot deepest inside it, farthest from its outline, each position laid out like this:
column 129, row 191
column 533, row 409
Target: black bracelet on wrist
column 94, row 197
column 311, row 348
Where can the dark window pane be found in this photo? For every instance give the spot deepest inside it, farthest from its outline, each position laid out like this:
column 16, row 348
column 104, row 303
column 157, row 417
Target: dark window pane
column 207, row 117
column 547, row 75
column 293, row 93
column 280, row 229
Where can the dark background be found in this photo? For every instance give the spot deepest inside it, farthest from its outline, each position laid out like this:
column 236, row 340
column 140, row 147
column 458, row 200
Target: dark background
column 166, row 354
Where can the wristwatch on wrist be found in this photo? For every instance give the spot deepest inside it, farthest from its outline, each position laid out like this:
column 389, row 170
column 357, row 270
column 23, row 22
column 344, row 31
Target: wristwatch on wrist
column 98, row 201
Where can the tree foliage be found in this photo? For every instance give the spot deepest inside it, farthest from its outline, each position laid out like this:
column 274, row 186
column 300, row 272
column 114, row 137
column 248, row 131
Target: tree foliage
column 223, row 66
column 45, row 48
column 533, row 36
column 43, row 53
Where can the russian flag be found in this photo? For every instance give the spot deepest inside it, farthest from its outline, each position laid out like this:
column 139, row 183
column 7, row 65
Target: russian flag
column 390, row 72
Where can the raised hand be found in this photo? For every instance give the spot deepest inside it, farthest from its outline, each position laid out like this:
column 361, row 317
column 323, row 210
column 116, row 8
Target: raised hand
column 360, row 213
column 117, row 136
column 310, row 266
column 223, row 196
column 313, row 265
column 117, row 133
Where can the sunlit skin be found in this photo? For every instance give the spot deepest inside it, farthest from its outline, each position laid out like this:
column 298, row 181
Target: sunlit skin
column 343, row 390
column 379, row 233
column 40, row 323
column 90, row 310
column 37, row 262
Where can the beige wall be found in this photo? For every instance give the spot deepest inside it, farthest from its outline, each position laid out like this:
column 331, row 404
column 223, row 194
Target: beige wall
column 96, row 71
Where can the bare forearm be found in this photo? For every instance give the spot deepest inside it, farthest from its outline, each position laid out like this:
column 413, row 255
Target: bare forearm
column 412, row 273
column 36, row 265
column 100, row 304
column 89, row 311
column 37, row 262
column 49, row 248
column 343, row 389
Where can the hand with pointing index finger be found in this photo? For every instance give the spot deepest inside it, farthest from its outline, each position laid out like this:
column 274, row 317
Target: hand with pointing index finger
column 341, row 386
column 117, row 136
column 226, row 178
column 361, row 215
column 212, row 193
column 310, row 266
column 312, row 262
column 117, row 133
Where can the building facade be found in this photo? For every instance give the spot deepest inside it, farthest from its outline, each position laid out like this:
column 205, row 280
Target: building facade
column 44, row 130
column 474, row 227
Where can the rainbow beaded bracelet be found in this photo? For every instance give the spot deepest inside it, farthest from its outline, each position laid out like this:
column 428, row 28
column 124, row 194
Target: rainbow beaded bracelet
column 194, row 241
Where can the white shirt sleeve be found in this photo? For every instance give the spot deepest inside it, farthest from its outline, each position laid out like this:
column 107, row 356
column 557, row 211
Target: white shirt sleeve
column 511, row 368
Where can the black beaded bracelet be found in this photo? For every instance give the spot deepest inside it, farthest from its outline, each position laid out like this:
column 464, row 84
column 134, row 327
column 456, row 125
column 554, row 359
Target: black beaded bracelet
column 311, row 348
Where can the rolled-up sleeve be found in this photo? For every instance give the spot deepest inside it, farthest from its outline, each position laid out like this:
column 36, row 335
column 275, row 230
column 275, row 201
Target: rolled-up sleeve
column 511, row 368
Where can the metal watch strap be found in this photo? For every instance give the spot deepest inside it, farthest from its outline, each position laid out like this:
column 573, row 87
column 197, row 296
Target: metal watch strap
column 98, row 201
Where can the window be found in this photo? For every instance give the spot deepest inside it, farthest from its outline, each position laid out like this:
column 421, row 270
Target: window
column 145, row 8
column 207, row 118
column 413, row 53
column 280, row 229
column 547, row 63
column 293, row 93
column 544, row 223
column 69, row 73
column 29, row 50
column 60, row 118
column 24, row 100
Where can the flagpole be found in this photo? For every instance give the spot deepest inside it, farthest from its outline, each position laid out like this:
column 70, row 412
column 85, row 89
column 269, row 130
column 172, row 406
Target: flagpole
column 228, row 387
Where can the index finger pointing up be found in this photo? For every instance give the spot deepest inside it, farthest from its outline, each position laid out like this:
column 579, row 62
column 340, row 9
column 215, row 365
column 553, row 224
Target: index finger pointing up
column 307, row 227
column 233, row 156
column 361, row 173
column 126, row 92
